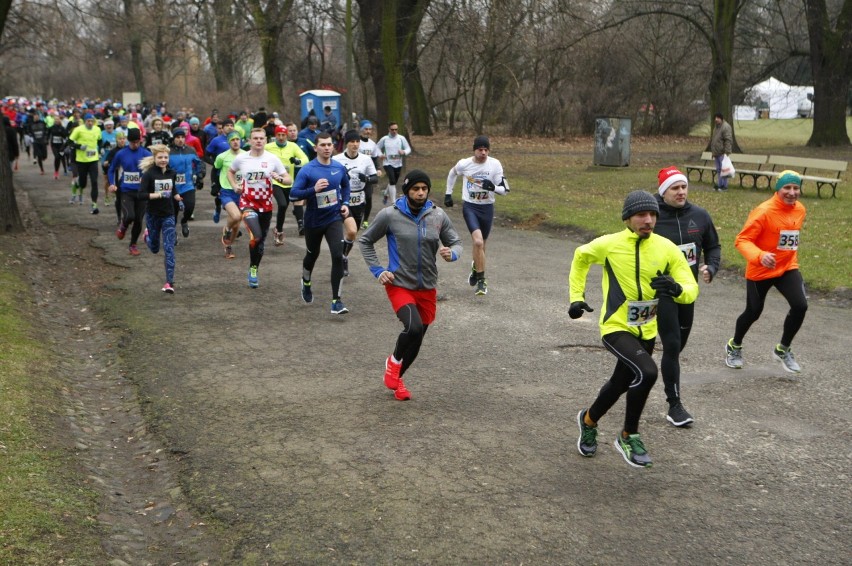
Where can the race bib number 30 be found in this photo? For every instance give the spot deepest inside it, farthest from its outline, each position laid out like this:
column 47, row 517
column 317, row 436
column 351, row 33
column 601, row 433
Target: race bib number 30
column 788, row 240
column 641, row 312
column 689, row 252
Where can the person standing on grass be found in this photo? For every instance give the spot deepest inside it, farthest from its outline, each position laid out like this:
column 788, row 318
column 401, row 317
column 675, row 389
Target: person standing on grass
column 417, row 232
column 769, row 242
column 482, row 178
column 691, row 229
column 721, row 144
column 639, row 267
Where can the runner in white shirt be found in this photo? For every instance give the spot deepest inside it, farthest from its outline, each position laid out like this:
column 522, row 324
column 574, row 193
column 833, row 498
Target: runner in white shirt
column 482, row 176
column 362, row 174
column 256, row 169
column 393, row 147
column 371, row 149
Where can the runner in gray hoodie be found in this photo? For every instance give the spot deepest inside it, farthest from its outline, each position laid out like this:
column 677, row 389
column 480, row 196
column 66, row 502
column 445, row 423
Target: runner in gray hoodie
column 417, row 232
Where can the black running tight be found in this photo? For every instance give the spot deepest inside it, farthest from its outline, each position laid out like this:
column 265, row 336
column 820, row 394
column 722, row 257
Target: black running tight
column 411, row 338
column 674, row 323
column 89, row 170
column 791, row 287
column 635, row 373
column 333, row 234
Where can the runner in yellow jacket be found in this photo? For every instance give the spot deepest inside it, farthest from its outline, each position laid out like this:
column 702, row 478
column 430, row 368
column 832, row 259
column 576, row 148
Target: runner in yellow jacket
column 638, row 267
column 769, row 242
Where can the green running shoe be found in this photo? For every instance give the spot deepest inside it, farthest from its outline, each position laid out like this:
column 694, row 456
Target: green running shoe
column 633, row 451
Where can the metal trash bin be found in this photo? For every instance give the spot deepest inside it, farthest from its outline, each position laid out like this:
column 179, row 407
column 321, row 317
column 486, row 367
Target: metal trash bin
column 612, row 141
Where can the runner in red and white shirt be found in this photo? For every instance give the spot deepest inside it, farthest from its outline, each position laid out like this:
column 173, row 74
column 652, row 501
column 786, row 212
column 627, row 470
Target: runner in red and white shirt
column 257, row 169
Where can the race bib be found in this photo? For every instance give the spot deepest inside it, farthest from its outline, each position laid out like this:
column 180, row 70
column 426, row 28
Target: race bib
column 690, row 253
column 327, row 199
column 394, row 157
column 255, row 178
column 91, row 153
column 181, row 178
column 132, row 177
column 356, row 198
column 163, row 186
column 788, row 240
column 641, row 312
column 56, row 140
column 478, row 195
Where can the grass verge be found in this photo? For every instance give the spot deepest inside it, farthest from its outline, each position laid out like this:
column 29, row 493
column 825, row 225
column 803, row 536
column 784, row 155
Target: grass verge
column 46, row 517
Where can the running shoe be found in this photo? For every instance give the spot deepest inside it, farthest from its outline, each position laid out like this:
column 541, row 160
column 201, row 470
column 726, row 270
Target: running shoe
column 252, row 277
column 121, row 231
column 337, row 307
column 785, row 356
column 227, row 238
column 229, row 252
column 733, row 355
column 184, row 229
column 679, row 416
column 345, row 266
column 633, row 451
column 385, row 199
column 95, row 208
column 145, row 238
column 471, row 279
column 216, row 215
column 392, row 370
column 301, row 228
column 56, row 175
column 279, row 237
column 365, row 225
column 587, row 444
column 133, row 249
column 168, row 289
column 307, row 294
column 402, row 392
column 481, row 287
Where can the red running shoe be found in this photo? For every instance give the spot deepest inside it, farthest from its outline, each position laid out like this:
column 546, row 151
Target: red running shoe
column 401, row 392
column 121, row 231
column 134, row 250
column 392, row 380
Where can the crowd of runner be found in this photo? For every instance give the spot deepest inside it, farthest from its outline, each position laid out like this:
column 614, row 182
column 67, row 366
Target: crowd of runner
column 152, row 163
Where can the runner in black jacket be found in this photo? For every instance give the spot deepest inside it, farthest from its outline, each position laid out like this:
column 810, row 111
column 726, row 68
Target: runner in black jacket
column 691, row 228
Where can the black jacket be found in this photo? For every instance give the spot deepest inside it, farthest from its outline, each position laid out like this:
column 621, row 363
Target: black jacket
column 691, row 225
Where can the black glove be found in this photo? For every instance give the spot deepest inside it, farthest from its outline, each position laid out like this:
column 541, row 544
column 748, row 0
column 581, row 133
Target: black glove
column 295, row 161
column 448, row 201
column 577, row 308
column 363, row 178
column 488, row 185
column 665, row 285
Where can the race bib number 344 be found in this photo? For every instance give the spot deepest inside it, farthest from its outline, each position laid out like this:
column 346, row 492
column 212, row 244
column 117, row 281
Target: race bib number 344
column 641, row 312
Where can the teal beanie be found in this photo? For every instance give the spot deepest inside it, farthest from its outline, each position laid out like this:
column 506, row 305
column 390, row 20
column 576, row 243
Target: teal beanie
column 787, row 177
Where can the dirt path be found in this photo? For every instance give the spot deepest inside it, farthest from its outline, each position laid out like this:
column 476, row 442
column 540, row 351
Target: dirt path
column 273, row 421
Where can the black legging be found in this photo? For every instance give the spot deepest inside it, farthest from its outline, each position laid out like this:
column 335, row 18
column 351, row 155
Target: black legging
column 188, row 206
column 257, row 225
column 58, row 158
column 282, row 199
column 132, row 212
column 791, row 286
column 368, row 201
column 410, row 339
column 333, row 234
column 674, row 323
column 634, row 373
column 40, row 153
column 89, row 170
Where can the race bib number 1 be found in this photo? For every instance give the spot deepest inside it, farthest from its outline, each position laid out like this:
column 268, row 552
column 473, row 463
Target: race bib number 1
column 641, row 312
column 788, row 240
column 326, row 199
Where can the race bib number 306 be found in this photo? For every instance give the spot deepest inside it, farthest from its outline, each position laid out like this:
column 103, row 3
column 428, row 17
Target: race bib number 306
column 788, row 240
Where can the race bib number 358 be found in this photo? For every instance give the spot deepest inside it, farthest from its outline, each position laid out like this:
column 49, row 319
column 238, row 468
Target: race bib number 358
column 788, row 240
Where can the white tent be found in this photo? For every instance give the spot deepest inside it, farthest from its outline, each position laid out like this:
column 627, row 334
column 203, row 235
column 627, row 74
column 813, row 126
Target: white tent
column 784, row 100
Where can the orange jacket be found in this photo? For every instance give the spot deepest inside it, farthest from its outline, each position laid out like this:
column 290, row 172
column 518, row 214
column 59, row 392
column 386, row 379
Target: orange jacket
column 772, row 227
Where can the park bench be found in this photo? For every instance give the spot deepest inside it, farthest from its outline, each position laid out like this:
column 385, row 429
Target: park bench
column 802, row 164
column 738, row 159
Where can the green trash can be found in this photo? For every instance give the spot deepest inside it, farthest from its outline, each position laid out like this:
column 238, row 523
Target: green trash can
column 612, row 141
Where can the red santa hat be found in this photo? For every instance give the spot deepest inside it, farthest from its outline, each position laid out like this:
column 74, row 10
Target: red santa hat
column 668, row 177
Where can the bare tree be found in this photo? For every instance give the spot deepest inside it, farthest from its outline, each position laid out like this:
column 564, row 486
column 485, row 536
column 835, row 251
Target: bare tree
column 269, row 18
column 10, row 217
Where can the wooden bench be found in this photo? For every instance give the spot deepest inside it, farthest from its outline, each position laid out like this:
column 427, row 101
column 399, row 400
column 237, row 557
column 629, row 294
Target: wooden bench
column 802, row 164
column 737, row 159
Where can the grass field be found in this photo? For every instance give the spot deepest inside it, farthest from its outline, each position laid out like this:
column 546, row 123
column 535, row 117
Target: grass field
column 556, row 187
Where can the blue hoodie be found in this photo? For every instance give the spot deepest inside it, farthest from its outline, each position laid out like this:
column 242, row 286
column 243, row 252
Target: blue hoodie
column 128, row 161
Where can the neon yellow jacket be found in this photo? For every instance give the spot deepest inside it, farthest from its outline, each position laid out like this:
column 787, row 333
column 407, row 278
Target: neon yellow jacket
column 83, row 136
column 629, row 263
column 284, row 154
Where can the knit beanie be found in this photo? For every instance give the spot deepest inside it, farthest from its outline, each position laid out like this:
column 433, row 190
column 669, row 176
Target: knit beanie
column 415, row 176
column 481, row 141
column 787, row 177
column 366, row 124
column 133, row 134
column 639, row 201
column 350, row 136
column 233, row 135
column 668, row 177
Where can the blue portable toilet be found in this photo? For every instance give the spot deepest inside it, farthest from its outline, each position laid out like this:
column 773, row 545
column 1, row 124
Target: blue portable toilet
column 317, row 100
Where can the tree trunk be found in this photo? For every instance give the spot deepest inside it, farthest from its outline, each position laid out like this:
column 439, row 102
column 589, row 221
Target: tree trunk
column 224, row 66
column 411, row 16
column 831, row 65
column 10, row 218
column 371, row 22
column 722, row 48
column 135, row 46
column 268, row 24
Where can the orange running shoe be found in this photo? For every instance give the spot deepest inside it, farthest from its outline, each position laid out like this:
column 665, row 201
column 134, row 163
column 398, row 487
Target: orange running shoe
column 392, row 369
